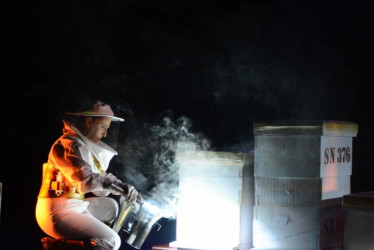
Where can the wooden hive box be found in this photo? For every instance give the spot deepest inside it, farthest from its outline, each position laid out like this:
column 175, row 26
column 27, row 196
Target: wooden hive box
column 301, row 169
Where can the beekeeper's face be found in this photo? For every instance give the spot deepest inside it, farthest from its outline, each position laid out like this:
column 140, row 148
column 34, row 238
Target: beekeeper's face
column 97, row 128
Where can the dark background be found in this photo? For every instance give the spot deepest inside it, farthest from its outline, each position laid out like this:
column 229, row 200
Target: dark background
column 222, row 64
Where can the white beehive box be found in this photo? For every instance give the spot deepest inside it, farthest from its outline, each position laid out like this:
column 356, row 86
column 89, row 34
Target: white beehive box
column 293, row 227
column 302, row 170
column 209, row 207
column 316, row 154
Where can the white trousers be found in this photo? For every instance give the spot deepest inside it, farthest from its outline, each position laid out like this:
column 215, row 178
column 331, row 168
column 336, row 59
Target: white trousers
column 79, row 219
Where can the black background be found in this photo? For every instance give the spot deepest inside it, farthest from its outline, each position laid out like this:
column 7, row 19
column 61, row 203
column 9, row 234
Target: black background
column 222, row 64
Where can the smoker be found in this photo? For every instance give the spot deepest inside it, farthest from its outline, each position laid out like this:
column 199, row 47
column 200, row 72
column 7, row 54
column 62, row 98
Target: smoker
column 136, row 220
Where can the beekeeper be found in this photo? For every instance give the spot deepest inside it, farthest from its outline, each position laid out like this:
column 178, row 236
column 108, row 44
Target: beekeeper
column 77, row 165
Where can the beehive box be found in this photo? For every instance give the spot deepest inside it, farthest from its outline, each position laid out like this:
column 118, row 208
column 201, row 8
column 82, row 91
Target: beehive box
column 212, row 212
column 302, row 170
column 359, row 221
column 292, row 227
column 315, row 154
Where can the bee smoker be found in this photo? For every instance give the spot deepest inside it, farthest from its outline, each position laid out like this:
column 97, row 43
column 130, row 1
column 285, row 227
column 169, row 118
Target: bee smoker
column 137, row 221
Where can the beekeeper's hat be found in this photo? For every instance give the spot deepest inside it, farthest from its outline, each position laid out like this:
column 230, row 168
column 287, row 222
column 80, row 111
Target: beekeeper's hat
column 97, row 109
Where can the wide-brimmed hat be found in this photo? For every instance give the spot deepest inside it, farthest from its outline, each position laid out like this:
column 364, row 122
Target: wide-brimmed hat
column 98, row 109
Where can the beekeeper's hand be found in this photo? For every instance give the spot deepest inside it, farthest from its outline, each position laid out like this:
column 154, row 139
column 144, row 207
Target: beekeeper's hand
column 130, row 193
column 133, row 195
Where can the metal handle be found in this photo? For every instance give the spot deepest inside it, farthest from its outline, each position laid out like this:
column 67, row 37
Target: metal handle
column 159, row 226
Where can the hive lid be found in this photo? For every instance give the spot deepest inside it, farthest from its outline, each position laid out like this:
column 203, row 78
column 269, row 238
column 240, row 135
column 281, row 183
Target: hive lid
column 209, row 164
column 364, row 200
column 327, row 128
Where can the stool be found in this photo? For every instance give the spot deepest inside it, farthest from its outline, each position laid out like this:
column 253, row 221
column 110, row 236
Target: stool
column 50, row 243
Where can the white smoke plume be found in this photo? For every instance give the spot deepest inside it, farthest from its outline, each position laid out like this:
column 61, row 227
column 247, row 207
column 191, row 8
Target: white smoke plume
column 149, row 163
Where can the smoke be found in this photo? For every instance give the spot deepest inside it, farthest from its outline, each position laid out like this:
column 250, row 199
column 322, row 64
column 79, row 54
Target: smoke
column 149, row 163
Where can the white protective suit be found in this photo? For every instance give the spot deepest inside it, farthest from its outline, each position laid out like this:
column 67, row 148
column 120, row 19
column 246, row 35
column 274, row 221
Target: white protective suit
column 61, row 215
